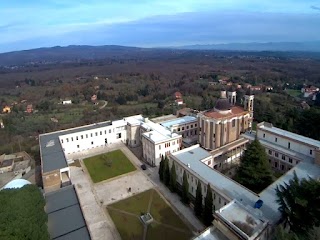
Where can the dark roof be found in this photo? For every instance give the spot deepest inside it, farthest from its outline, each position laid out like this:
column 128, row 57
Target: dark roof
column 232, row 89
column 52, row 155
column 6, row 163
column 249, row 92
column 222, row 104
column 65, row 218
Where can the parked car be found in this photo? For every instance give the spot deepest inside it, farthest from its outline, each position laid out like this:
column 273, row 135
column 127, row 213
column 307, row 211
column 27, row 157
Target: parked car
column 143, row 167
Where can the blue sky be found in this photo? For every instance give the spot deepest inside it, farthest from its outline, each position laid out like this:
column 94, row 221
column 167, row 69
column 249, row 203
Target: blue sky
column 26, row 24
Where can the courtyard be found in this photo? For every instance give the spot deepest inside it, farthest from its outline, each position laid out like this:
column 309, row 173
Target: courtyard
column 166, row 223
column 108, row 165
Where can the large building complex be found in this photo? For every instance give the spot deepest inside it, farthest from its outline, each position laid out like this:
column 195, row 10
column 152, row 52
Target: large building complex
column 200, row 144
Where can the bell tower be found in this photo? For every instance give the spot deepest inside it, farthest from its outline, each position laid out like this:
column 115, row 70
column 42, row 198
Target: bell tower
column 232, row 96
column 248, row 104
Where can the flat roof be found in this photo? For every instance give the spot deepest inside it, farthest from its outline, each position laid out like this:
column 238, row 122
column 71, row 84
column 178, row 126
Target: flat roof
column 281, row 132
column 242, row 219
column 65, row 218
column 192, row 154
column 178, row 121
column 156, row 132
column 211, row 233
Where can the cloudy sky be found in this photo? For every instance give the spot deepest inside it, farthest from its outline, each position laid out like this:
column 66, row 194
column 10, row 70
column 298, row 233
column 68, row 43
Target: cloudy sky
column 26, row 24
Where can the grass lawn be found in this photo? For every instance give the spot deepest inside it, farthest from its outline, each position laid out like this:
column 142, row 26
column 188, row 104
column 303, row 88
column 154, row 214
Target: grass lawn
column 166, row 224
column 108, row 165
column 293, row 92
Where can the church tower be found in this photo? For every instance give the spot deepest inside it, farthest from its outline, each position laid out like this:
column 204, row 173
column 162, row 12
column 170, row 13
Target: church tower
column 232, row 96
column 248, row 104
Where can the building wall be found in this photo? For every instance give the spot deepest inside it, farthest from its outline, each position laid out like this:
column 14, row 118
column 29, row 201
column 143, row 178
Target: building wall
column 98, row 137
column 219, row 199
column 186, row 130
column 133, row 135
column 152, row 152
column 286, row 142
column 215, row 133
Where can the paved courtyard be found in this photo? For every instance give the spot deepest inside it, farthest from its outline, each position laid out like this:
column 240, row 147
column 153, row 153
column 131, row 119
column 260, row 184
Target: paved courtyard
column 94, row 197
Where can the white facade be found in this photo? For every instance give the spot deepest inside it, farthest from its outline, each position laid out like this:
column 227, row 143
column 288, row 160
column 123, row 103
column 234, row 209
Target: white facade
column 66, row 102
column 101, row 136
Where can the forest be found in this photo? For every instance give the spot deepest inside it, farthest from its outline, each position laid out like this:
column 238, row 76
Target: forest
column 143, row 81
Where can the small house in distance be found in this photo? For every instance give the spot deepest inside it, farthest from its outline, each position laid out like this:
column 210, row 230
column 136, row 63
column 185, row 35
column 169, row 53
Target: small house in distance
column 66, row 102
column 177, row 95
column 29, row 108
column 6, row 109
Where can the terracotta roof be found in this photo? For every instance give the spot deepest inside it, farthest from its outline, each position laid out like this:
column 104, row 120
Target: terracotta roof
column 235, row 111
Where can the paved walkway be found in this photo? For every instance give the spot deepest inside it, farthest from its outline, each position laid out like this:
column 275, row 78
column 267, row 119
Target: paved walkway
column 98, row 221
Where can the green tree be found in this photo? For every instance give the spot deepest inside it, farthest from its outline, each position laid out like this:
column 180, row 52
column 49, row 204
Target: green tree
column 173, row 178
column 185, row 189
column 198, row 201
column 207, row 211
column 161, row 167
column 166, row 176
column 254, row 171
column 281, row 234
column 299, row 202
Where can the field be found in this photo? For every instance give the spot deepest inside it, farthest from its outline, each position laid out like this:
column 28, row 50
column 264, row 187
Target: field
column 108, row 165
column 166, row 224
column 293, row 92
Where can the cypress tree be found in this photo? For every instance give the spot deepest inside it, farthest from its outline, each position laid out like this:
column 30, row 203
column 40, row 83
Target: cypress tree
column 254, row 171
column 161, row 166
column 198, row 202
column 207, row 211
column 173, row 178
column 166, row 177
column 185, row 189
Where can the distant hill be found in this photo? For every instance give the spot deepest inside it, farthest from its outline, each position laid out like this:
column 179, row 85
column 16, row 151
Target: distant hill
column 270, row 46
column 75, row 53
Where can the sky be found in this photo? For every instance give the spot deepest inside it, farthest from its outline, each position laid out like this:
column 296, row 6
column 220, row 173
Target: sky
column 26, row 24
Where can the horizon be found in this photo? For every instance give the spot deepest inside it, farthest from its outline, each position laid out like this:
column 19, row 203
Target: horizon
column 155, row 23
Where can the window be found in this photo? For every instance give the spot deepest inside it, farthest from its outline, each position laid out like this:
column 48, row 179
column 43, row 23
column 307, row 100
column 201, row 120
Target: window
column 159, row 147
column 310, row 151
column 187, row 127
column 289, row 145
column 195, row 125
column 77, row 138
column 191, row 179
column 72, row 139
column 282, row 167
column 178, row 129
column 290, row 160
column 191, row 125
column 91, row 134
column 78, row 146
column 276, row 154
column 214, row 196
column 209, row 162
column 264, row 135
column 96, row 134
column 182, row 128
column 225, row 203
column 91, row 143
column 270, row 152
column 118, row 135
column 86, row 135
column 100, row 132
column 195, row 132
column 61, row 140
column 67, row 139
column 192, row 189
column 109, row 130
column 276, row 139
column 219, row 200
column 81, row 136
column 233, row 123
column 105, row 132
column 276, row 164
column 283, row 157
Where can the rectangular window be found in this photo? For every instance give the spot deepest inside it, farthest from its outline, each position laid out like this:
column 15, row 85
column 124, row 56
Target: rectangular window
column 209, row 162
column 219, row 200
column 91, row 134
column 78, row 146
column 264, row 135
column 118, row 135
column 67, row 139
column 282, row 167
column 72, row 139
column 289, row 145
column 61, row 140
column 178, row 129
column 100, row 132
column 182, row 128
column 276, row 164
column 96, row 134
column 105, row 132
column 191, row 125
column 214, row 196
column 310, row 151
column 283, row 157
column 270, row 152
column 276, row 139
column 81, row 136
column 233, row 123
column 86, row 135
column 159, row 147
column 276, row 154
column 109, row 130
column 91, row 143
column 290, row 160
column 195, row 125
column 77, row 138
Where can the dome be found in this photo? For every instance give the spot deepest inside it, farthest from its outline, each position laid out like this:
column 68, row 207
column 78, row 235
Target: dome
column 17, row 183
column 222, row 104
